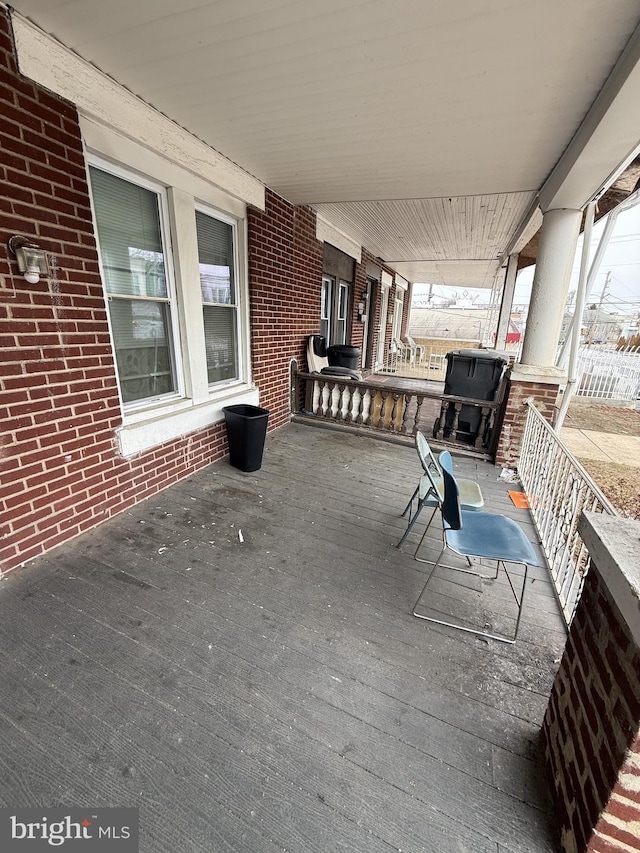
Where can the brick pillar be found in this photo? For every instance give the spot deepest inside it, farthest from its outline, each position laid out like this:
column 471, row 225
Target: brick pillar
column 591, row 730
column 521, row 386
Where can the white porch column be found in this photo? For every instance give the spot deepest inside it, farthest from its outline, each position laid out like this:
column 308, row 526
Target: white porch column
column 535, row 376
column 507, row 301
column 556, row 252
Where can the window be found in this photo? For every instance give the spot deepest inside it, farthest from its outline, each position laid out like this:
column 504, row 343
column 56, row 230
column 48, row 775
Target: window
column 397, row 314
column 326, row 298
column 343, row 307
column 175, row 286
column 219, row 298
column 338, row 274
column 141, row 305
column 334, row 310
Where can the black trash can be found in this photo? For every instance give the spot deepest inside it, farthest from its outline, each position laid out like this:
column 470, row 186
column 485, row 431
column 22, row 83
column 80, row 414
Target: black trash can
column 343, row 355
column 474, row 373
column 246, row 431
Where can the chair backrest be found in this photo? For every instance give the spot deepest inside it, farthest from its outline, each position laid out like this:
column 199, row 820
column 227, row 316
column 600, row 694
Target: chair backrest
column 316, row 353
column 450, row 507
column 425, row 454
column 429, row 464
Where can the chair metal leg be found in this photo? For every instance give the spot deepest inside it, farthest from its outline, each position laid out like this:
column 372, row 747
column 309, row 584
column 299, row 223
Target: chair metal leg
column 500, row 637
column 413, row 521
column 411, row 500
column 519, row 602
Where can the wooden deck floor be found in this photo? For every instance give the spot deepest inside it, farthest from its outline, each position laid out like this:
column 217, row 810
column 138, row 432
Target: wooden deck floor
column 236, row 657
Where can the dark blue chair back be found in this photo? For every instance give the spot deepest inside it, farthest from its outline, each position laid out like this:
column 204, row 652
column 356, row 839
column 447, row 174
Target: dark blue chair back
column 451, row 505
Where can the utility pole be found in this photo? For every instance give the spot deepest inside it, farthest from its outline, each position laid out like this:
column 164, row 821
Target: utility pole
column 598, row 307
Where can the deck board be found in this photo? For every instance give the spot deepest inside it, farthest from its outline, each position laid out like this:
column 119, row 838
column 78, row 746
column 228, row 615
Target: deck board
column 272, row 691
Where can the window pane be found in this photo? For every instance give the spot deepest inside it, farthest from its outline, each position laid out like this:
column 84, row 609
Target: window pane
column 141, row 331
column 325, row 309
column 128, row 222
column 342, row 309
column 220, row 341
column 215, row 256
column 341, row 325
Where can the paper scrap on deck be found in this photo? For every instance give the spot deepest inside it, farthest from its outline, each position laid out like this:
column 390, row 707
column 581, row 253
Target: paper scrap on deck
column 519, row 499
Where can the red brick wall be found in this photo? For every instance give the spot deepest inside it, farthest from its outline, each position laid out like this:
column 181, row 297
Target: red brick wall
column 515, row 416
column 590, row 730
column 60, row 471
column 359, row 287
column 59, row 468
column 285, row 274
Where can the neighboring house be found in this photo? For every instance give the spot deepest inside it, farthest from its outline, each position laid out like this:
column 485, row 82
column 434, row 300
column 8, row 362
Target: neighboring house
column 177, row 285
column 598, row 326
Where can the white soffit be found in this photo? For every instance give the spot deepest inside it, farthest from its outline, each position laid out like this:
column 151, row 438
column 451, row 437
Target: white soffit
column 49, row 63
column 451, row 273
column 606, row 142
column 327, row 233
column 348, row 100
column 452, row 228
column 351, row 105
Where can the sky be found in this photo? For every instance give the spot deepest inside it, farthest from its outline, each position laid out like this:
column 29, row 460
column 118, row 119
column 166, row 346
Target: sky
column 622, row 259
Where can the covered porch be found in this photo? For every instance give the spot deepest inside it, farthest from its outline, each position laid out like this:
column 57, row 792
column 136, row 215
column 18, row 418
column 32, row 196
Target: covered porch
column 236, row 656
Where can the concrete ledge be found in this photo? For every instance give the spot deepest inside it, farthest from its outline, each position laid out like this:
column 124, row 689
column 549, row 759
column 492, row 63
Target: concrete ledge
column 614, row 546
column 537, row 373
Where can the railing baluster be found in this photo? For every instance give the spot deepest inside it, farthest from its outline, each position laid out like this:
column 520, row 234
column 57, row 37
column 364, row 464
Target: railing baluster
column 404, row 428
column 318, row 408
column 453, row 430
column 559, row 490
column 438, row 429
column 419, row 402
column 352, row 393
column 341, row 390
column 485, row 412
column 394, row 409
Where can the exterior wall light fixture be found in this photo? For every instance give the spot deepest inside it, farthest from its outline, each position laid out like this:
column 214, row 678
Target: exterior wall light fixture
column 32, row 260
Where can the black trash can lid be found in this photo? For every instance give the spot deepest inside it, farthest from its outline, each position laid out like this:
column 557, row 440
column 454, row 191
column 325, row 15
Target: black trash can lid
column 490, row 355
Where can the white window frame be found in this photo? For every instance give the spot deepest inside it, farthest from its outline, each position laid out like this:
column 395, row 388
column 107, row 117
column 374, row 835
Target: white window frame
column 165, row 236
column 228, row 220
column 326, row 304
column 398, row 309
column 196, row 405
column 343, row 310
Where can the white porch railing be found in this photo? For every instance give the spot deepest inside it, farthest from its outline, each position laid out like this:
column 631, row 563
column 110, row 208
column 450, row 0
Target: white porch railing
column 608, row 373
column 559, row 490
column 419, row 362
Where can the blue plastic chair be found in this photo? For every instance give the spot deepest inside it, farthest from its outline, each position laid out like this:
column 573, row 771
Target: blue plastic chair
column 430, row 492
column 479, row 535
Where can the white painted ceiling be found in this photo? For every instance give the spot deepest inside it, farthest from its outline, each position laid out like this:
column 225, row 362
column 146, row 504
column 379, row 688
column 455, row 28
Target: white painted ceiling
column 422, row 128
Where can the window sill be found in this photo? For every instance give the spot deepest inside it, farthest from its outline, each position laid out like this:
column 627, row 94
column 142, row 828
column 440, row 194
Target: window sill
column 149, row 429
